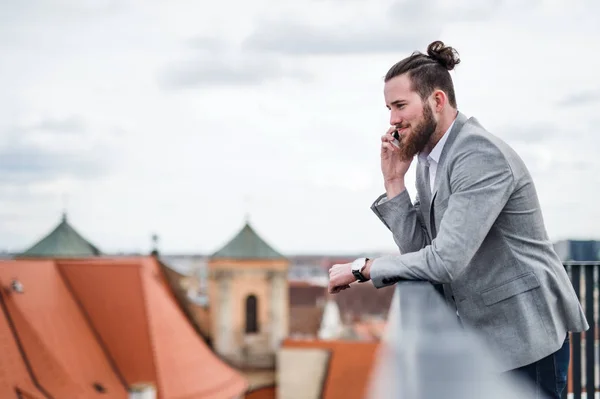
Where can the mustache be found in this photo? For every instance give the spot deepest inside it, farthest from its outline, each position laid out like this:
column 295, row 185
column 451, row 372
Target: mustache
column 395, row 134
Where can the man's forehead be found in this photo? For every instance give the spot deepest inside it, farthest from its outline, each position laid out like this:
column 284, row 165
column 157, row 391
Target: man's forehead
column 398, row 89
column 399, row 83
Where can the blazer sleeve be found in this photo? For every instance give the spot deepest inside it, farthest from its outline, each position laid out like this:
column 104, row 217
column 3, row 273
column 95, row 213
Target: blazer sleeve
column 481, row 182
column 404, row 220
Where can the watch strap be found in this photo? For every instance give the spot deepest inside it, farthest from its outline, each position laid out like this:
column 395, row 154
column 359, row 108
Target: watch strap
column 357, row 272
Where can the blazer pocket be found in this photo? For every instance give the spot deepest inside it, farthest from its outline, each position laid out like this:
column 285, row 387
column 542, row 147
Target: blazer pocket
column 518, row 285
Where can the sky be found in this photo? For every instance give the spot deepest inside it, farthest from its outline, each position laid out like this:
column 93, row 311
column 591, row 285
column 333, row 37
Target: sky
column 186, row 118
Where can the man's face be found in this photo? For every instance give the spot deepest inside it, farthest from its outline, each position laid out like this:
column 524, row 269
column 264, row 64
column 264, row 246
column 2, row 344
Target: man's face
column 412, row 117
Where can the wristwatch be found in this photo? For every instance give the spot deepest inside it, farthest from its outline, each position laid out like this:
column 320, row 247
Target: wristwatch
column 357, row 267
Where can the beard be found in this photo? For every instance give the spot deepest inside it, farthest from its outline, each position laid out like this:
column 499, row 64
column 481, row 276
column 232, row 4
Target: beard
column 414, row 142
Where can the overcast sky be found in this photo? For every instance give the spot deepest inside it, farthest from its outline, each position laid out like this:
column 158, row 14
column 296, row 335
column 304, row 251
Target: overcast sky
column 179, row 117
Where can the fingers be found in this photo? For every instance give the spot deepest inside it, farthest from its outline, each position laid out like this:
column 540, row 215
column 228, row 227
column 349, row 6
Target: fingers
column 389, row 147
column 337, row 282
column 388, row 136
column 335, row 290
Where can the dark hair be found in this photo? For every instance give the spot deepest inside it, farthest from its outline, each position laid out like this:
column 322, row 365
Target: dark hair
column 429, row 72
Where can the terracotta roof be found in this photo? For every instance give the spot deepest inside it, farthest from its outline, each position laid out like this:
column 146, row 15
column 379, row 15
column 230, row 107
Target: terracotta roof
column 247, row 244
column 64, row 355
column 349, row 369
column 111, row 322
column 12, row 365
column 269, row 392
column 62, row 242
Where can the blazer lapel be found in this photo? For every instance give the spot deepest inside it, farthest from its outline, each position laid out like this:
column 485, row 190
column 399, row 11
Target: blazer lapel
column 460, row 121
column 424, row 194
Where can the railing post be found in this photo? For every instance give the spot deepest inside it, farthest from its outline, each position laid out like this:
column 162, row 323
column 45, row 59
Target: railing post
column 589, row 334
column 576, row 337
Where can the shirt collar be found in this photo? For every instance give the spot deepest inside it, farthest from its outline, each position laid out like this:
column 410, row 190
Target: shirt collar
column 434, row 155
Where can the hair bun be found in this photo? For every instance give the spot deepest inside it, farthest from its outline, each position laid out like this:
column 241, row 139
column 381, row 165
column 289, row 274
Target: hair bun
column 444, row 55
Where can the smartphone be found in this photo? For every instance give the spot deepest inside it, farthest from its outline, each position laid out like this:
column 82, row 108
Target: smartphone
column 396, row 137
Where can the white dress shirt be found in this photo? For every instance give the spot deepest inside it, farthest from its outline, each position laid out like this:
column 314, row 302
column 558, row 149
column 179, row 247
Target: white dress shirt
column 433, row 158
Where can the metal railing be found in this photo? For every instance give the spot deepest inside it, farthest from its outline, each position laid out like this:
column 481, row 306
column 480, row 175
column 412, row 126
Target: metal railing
column 427, row 353
column 584, row 366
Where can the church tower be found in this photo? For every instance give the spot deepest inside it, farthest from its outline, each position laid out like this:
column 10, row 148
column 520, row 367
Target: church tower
column 248, row 293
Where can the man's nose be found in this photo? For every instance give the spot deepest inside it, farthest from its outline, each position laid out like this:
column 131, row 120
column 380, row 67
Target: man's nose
column 395, row 119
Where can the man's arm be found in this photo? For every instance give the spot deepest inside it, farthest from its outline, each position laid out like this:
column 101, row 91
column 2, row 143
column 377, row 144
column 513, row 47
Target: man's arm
column 404, row 220
column 481, row 184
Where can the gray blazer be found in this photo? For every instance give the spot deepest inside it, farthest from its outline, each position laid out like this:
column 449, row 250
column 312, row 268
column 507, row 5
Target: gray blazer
column 481, row 234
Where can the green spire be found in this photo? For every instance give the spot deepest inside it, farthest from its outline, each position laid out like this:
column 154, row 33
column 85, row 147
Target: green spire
column 62, row 242
column 247, row 244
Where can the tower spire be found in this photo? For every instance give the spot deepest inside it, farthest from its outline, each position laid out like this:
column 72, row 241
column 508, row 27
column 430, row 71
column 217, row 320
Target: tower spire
column 246, row 209
column 65, row 205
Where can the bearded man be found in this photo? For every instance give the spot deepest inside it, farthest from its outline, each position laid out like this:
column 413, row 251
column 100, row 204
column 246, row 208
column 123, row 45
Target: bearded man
column 475, row 228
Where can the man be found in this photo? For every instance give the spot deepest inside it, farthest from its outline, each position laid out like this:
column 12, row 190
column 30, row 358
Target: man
column 475, row 228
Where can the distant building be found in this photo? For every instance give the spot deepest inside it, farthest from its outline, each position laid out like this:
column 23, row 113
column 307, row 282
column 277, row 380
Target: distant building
column 578, row 250
column 325, row 369
column 62, row 242
column 248, row 300
column 331, row 323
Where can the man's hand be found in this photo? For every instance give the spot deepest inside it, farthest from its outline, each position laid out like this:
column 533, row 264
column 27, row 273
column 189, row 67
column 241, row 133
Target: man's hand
column 393, row 166
column 340, row 277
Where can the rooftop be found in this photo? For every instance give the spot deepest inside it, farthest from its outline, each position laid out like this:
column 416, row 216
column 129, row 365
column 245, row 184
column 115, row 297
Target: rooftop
column 75, row 328
column 247, row 244
column 62, row 242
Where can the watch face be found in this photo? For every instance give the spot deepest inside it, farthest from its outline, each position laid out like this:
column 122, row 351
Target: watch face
column 358, row 264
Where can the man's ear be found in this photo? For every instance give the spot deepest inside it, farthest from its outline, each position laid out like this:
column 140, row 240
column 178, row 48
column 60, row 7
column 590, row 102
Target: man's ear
column 440, row 99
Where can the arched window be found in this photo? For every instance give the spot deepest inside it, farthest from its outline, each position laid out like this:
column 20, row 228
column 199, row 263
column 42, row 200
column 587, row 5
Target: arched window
column 251, row 314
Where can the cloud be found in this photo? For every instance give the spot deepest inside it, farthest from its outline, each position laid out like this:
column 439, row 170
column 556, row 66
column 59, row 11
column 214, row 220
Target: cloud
column 580, row 99
column 261, row 56
column 295, row 38
column 215, row 62
column 228, row 71
column 419, row 12
column 71, row 125
column 405, row 27
column 52, row 149
column 528, row 134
